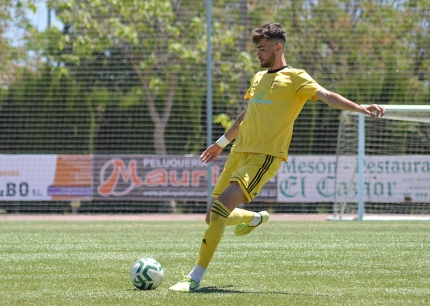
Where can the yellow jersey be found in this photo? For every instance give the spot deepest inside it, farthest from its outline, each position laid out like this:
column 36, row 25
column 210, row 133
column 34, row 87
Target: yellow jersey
column 275, row 99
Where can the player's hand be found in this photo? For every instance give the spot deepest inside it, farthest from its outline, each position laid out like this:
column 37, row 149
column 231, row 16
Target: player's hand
column 375, row 111
column 211, row 153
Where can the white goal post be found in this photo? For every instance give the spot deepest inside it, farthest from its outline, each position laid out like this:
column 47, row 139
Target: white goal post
column 387, row 150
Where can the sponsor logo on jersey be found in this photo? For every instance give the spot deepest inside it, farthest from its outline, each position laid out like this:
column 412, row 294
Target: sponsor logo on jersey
column 260, row 99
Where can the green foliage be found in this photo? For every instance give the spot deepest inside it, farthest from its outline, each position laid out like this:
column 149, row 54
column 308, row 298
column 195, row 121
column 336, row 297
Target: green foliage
column 368, row 51
column 44, row 109
column 225, row 121
column 287, row 263
column 14, row 25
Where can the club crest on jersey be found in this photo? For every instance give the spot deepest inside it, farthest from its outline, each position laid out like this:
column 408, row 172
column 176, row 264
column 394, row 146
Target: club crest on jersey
column 275, row 84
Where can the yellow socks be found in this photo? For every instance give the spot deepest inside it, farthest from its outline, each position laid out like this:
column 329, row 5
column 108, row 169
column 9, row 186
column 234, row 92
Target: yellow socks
column 219, row 215
column 239, row 216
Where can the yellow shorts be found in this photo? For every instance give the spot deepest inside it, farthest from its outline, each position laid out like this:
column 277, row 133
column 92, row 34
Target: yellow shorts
column 250, row 170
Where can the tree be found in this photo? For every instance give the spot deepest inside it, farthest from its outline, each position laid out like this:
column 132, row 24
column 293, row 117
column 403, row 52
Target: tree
column 153, row 47
column 13, row 26
column 141, row 64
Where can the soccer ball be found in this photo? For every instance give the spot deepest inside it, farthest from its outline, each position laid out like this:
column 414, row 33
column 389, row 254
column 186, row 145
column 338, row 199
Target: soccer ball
column 146, row 274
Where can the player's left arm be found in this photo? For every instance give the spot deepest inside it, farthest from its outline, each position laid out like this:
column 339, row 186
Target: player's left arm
column 337, row 101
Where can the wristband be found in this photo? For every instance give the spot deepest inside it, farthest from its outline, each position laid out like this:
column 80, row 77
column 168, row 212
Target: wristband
column 222, row 141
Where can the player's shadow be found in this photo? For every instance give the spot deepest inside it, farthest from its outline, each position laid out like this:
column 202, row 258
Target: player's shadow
column 229, row 289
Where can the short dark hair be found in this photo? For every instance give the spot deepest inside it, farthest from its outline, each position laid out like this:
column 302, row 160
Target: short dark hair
column 270, row 31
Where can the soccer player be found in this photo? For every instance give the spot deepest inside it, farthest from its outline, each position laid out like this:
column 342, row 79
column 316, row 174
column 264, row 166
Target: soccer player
column 263, row 133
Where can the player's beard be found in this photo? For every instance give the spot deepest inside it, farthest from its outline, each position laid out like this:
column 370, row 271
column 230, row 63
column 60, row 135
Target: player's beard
column 269, row 62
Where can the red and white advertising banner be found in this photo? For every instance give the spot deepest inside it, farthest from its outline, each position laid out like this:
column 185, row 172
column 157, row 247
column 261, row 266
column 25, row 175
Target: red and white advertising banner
column 45, row 177
column 145, row 177
column 389, row 179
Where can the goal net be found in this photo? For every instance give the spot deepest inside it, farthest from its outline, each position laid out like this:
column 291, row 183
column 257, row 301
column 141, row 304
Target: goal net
column 395, row 167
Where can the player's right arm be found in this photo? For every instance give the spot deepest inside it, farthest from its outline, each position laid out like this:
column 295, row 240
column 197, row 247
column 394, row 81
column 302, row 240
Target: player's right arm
column 216, row 148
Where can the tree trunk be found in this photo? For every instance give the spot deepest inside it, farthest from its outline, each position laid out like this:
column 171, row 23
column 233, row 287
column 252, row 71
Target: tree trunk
column 160, row 122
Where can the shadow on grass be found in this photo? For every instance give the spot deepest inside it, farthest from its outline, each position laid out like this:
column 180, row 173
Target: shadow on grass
column 230, row 289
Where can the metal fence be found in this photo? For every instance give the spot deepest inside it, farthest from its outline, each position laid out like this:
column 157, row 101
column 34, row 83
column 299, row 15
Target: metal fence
column 129, row 77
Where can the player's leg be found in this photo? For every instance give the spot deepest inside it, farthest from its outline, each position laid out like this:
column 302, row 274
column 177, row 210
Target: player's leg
column 259, row 169
column 245, row 184
column 237, row 216
column 253, row 172
column 220, row 211
column 245, row 228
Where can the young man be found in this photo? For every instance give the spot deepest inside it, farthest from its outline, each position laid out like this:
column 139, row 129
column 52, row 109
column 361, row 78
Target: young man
column 263, row 133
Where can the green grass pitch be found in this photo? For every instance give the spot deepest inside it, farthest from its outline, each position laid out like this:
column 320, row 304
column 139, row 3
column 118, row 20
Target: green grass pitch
column 281, row 263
